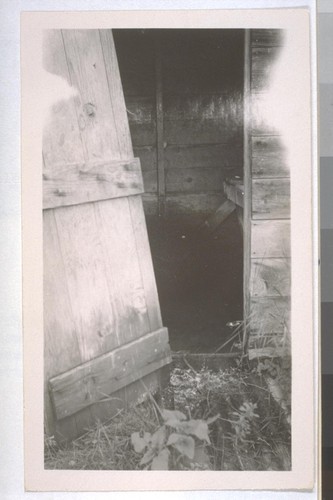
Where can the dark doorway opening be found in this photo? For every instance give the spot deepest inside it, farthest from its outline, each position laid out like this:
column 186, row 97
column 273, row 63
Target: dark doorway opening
column 184, row 96
column 199, row 277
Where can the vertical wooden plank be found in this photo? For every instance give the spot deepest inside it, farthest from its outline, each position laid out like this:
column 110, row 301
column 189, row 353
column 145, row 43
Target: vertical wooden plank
column 94, row 109
column 159, row 128
column 247, row 186
column 116, row 93
column 93, row 313
column 59, row 327
column 61, row 135
column 122, row 269
column 146, row 265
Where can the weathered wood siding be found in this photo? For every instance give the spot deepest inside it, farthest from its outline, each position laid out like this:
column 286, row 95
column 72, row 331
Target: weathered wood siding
column 195, row 77
column 267, row 188
column 102, row 323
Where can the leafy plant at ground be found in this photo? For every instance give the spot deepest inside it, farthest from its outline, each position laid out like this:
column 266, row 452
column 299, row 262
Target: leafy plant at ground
column 177, row 437
column 231, row 416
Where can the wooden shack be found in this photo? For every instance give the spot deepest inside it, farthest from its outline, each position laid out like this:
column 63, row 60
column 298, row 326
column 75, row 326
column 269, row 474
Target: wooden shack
column 170, row 140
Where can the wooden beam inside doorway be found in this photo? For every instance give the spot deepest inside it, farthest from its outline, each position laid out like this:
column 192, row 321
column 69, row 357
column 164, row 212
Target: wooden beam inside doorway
column 159, row 128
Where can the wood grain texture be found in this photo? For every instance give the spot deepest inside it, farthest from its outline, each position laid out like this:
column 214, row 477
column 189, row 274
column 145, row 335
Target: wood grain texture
column 140, row 234
column 80, row 183
column 93, row 381
column 59, row 326
column 269, row 157
column 122, row 269
column 99, row 279
column 61, row 134
column 116, row 93
column 270, row 238
column 96, row 117
column 271, row 199
column 270, row 277
column 84, row 258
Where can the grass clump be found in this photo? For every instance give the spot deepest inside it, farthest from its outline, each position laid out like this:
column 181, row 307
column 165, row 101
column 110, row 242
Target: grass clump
column 205, row 420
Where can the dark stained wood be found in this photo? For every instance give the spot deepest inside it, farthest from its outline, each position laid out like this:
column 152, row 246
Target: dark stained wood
column 269, row 158
column 135, row 53
column 227, row 156
column 80, row 183
column 159, row 128
column 201, row 132
column 270, row 238
column 92, row 381
column 147, row 156
column 143, row 134
column 227, row 107
column 270, row 277
column 194, row 180
column 271, row 199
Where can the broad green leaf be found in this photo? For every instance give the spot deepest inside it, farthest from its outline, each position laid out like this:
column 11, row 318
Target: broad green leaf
column 158, row 439
column 161, row 462
column 140, row 442
column 184, row 444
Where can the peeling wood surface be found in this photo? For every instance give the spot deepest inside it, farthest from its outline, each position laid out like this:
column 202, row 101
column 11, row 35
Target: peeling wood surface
column 90, row 382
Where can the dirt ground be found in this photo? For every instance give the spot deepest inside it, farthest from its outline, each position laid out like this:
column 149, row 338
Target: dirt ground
column 199, row 278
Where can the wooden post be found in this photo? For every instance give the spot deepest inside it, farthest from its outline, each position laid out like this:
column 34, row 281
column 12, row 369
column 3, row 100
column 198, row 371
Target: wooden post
column 247, row 187
column 159, row 129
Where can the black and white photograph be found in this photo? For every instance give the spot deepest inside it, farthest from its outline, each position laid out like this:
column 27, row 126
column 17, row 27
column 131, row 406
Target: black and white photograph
column 167, row 181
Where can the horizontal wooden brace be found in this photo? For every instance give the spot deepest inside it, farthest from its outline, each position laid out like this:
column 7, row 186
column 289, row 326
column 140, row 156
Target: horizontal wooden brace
column 81, row 183
column 234, row 191
column 99, row 378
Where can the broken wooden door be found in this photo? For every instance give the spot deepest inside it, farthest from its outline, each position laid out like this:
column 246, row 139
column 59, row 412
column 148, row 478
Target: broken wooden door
column 103, row 331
